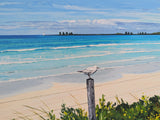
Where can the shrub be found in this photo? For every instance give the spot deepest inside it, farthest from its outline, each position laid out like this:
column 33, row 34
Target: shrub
column 73, row 114
column 145, row 109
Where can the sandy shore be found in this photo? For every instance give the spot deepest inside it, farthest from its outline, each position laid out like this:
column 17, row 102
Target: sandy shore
column 74, row 94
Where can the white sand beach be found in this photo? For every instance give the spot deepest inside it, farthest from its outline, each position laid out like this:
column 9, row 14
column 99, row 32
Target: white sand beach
column 128, row 87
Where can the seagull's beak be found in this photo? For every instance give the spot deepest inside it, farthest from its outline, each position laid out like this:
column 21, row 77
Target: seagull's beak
column 98, row 67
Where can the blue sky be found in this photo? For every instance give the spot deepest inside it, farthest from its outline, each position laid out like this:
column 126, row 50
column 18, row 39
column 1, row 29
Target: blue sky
column 18, row 17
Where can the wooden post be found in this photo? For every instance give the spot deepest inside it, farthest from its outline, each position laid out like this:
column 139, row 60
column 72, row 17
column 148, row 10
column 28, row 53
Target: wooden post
column 91, row 98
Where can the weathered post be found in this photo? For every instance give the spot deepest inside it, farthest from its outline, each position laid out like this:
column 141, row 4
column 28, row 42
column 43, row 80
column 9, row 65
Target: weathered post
column 91, row 98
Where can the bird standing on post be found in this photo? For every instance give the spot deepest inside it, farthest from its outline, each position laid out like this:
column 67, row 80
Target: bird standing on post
column 90, row 91
column 89, row 71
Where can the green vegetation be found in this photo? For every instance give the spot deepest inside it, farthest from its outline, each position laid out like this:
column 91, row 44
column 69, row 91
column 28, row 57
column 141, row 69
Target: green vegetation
column 73, row 114
column 67, row 33
column 155, row 33
column 125, row 33
column 119, row 33
column 145, row 109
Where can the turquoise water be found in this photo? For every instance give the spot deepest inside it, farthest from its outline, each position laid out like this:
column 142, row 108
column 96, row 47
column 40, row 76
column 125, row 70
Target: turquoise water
column 27, row 57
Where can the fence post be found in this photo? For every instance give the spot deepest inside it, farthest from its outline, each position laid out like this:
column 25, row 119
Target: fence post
column 91, row 98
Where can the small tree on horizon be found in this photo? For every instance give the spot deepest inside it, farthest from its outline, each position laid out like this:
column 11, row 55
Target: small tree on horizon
column 70, row 33
column 63, row 33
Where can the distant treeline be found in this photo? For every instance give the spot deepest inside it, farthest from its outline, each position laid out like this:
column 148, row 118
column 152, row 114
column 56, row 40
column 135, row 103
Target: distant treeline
column 140, row 33
column 125, row 33
column 65, row 33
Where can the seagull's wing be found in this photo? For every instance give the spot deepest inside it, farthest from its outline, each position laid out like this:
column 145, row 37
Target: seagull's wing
column 88, row 70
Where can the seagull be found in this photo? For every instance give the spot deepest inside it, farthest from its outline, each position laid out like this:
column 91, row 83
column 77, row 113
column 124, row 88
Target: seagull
column 89, row 71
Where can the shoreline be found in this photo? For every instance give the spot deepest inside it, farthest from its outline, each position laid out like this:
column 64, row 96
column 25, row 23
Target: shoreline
column 12, row 88
column 74, row 94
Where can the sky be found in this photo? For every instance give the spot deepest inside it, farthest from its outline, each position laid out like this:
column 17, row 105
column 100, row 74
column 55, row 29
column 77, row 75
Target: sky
column 35, row 17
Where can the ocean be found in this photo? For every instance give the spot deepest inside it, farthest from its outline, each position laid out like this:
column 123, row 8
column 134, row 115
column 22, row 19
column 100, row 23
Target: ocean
column 32, row 60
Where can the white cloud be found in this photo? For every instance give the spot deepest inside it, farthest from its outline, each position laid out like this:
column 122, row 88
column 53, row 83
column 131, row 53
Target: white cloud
column 76, row 22
column 9, row 9
column 9, row 3
column 63, row 23
column 74, row 7
column 83, row 26
column 141, row 16
column 68, row 21
column 111, row 21
column 8, row 27
column 71, row 7
column 124, row 20
column 103, row 22
column 121, row 28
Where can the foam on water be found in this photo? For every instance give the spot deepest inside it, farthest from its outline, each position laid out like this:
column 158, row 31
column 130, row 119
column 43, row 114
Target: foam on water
column 53, row 58
column 73, row 47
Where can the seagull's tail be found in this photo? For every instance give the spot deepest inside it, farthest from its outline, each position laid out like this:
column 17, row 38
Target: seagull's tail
column 79, row 71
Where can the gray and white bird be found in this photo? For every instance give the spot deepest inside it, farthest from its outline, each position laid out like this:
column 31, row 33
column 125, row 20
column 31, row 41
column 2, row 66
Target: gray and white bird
column 89, row 71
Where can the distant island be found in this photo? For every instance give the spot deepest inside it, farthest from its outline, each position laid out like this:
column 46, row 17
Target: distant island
column 126, row 33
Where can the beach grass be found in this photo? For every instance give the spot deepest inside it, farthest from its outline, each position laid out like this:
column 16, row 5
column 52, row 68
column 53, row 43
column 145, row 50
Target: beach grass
column 146, row 108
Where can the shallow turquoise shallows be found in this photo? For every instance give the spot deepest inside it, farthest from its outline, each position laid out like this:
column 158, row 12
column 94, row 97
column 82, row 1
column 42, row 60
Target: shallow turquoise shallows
column 23, row 57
